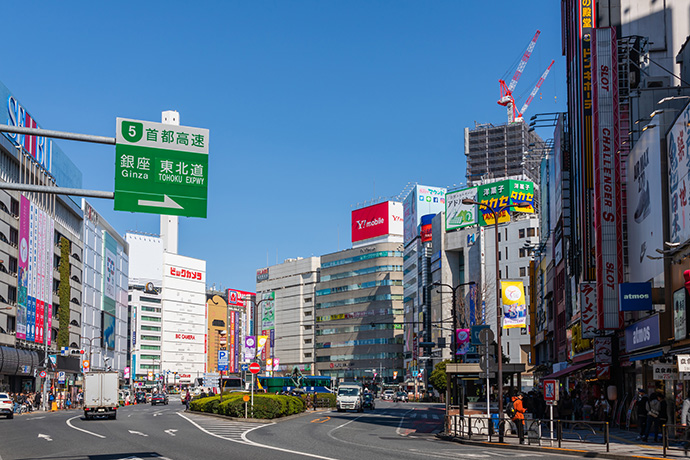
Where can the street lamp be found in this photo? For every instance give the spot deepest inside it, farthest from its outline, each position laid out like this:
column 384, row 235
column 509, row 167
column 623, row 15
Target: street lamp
column 90, row 349
column 454, row 338
column 499, row 331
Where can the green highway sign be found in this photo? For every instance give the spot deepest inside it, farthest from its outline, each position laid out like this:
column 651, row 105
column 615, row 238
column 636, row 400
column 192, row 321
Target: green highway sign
column 161, row 168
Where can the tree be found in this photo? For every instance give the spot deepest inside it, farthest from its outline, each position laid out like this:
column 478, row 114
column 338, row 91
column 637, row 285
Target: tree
column 438, row 376
column 64, row 293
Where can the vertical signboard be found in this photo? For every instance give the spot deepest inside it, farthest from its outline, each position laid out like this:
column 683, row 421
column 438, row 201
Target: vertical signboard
column 680, row 321
column 268, row 310
column 232, row 342
column 22, row 267
column 588, row 306
column 607, row 195
column 422, row 200
column 587, row 23
column 678, row 178
column 644, row 206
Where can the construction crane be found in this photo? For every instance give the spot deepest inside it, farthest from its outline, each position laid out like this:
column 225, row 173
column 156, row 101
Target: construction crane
column 507, row 100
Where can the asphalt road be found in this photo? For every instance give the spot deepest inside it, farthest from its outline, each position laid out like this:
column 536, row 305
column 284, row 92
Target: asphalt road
column 398, row 431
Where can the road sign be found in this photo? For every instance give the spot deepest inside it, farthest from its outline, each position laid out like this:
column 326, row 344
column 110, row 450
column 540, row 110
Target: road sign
column 42, row 374
column 244, row 367
column 85, row 365
column 484, row 375
column 254, row 368
column 551, row 391
column 245, row 398
column 61, row 377
column 223, row 360
column 486, row 336
column 161, row 168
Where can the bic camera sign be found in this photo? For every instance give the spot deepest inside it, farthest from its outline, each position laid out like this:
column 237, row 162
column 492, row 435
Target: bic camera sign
column 161, row 168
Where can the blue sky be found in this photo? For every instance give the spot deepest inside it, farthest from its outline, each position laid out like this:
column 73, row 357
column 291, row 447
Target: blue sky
column 312, row 106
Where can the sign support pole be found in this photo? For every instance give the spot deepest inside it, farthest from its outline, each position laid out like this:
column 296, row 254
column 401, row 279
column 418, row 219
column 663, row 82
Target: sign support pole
column 252, row 394
column 488, row 384
column 551, row 422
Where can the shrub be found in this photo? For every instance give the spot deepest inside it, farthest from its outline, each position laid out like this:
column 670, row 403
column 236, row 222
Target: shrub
column 325, row 400
column 265, row 406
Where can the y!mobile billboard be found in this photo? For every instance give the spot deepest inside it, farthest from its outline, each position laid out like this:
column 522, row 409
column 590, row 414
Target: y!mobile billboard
column 378, row 220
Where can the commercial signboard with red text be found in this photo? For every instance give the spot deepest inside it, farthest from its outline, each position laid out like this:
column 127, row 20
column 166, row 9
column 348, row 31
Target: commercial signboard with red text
column 377, row 220
column 607, row 194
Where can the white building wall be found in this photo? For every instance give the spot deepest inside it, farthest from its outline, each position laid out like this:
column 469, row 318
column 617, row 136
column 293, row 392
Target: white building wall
column 184, row 315
column 293, row 283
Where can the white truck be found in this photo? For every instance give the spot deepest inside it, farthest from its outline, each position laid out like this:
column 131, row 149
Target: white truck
column 101, row 394
column 349, row 397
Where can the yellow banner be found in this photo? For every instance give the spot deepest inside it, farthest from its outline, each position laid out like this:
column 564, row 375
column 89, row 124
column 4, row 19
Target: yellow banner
column 514, row 305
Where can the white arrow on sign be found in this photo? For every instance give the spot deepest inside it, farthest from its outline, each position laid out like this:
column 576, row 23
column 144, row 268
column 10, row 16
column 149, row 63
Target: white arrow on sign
column 137, row 432
column 45, row 436
column 166, row 203
column 171, row 432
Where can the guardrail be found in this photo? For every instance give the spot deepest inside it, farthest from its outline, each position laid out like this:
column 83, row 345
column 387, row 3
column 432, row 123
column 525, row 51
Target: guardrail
column 675, row 437
column 536, row 430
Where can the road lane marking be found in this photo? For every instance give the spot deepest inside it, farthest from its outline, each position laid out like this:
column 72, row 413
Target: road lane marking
column 170, row 432
column 45, row 436
column 399, row 430
column 243, row 438
column 138, row 433
column 69, row 424
column 36, row 418
column 320, row 420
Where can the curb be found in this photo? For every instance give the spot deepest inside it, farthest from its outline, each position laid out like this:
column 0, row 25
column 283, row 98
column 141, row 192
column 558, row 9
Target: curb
column 559, row 450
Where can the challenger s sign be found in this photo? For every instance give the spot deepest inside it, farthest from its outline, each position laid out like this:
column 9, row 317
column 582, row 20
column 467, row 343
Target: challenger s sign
column 380, row 219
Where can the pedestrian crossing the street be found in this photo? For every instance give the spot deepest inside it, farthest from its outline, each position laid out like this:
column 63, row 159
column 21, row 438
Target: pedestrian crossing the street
column 229, row 430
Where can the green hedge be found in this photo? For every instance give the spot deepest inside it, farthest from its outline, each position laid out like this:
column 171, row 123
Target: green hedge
column 265, row 406
column 325, row 400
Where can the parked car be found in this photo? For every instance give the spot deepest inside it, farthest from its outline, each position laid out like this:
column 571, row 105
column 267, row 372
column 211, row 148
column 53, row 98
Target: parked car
column 388, row 395
column 400, row 396
column 368, row 401
column 159, row 398
column 6, row 405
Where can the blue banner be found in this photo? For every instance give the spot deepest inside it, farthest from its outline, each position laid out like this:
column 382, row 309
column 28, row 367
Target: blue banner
column 642, row 334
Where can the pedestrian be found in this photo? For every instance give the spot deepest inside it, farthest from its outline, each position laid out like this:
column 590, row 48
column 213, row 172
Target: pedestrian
column 653, row 417
column 68, row 402
column 685, row 421
column 641, row 404
column 519, row 417
column 602, row 408
column 187, row 398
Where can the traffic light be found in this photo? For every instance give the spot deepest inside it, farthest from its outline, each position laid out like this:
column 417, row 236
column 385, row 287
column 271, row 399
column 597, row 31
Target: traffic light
column 76, row 352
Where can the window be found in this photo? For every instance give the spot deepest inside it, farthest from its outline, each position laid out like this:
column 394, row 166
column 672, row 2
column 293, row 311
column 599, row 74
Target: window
column 307, row 313
column 307, row 299
column 499, row 237
column 531, row 232
column 523, row 271
column 506, row 253
column 521, row 233
column 523, row 252
column 150, row 318
column 150, row 347
column 499, row 255
column 307, row 340
column 307, row 355
column 507, row 275
column 307, row 327
column 151, row 337
column 150, row 328
column 149, row 299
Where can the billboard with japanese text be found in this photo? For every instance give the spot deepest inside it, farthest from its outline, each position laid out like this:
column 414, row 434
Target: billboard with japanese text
column 378, row 220
column 679, row 178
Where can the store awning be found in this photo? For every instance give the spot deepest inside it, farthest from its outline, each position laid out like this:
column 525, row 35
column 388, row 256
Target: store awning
column 648, row 355
column 566, row 371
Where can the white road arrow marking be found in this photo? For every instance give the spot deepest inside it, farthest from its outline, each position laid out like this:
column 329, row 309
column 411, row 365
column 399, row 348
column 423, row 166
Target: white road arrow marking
column 137, row 432
column 35, row 418
column 45, row 436
column 171, row 432
column 166, row 203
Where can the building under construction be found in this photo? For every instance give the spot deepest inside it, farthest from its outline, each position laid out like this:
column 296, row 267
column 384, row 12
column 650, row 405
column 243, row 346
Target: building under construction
column 505, row 150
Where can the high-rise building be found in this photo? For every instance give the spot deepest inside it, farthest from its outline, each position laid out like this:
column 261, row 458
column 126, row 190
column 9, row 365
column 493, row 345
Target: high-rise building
column 104, row 305
column 419, row 208
column 32, row 228
column 502, row 151
column 285, row 300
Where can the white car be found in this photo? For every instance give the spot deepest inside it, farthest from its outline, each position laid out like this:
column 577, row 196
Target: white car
column 6, row 405
column 388, row 395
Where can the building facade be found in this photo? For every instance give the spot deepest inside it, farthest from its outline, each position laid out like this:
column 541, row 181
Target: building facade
column 359, row 314
column 288, row 289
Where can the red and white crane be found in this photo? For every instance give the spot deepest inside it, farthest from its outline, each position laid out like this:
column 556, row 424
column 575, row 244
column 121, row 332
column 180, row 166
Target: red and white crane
column 507, row 100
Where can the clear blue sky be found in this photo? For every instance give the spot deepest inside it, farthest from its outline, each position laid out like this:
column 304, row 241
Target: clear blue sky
column 312, row 106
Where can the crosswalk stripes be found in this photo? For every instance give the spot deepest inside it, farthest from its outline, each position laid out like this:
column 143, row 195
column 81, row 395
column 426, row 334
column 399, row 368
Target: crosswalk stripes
column 229, row 430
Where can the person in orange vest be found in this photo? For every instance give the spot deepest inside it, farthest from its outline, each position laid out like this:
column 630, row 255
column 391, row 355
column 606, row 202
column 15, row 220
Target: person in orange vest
column 519, row 417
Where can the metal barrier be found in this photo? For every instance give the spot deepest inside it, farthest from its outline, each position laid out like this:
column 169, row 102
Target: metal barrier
column 675, row 437
column 536, row 430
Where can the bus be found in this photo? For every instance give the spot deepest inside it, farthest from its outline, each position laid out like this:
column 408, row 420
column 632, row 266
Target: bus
column 309, row 383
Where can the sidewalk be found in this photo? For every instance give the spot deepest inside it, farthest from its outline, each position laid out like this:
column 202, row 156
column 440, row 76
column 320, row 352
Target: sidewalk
column 622, row 445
